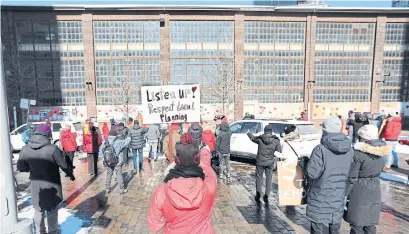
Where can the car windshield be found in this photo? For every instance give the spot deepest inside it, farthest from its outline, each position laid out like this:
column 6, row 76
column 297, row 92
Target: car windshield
column 306, row 129
column 77, row 126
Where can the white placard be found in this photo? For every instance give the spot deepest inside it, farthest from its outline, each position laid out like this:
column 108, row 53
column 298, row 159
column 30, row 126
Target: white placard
column 171, row 103
column 24, row 103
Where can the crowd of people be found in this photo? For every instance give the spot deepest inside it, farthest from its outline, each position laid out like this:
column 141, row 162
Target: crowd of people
column 342, row 171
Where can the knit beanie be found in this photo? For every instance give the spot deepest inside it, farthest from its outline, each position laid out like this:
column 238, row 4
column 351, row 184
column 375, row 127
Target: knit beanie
column 332, row 125
column 268, row 129
column 187, row 154
column 368, row 132
column 43, row 129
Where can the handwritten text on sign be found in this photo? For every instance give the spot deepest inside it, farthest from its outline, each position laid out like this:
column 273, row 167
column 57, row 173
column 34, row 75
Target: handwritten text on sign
column 171, row 103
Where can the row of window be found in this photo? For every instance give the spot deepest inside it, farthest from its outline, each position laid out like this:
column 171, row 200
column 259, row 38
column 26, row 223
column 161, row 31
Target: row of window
column 42, row 43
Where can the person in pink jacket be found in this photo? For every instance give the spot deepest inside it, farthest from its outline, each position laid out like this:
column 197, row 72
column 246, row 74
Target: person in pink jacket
column 184, row 203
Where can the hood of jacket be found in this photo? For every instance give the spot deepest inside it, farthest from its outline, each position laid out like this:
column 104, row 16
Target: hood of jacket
column 396, row 119
column 224, row 127
column 337, row 142
column 375, row 147
column 186, row 193
column 38, row 141
column 136, row 126
column 268, row 138
column 196, row 130
column 207, row 134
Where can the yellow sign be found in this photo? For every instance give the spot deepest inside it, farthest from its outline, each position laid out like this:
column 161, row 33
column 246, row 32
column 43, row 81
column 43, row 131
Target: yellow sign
column 290, row 183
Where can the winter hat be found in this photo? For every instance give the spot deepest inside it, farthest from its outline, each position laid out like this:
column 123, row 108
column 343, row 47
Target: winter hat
column 196, row 130
column 268, row 129
column 174, row 127
column 332, row 125
column 113, row 132
column 121, row 124
column 186, row 138
column 43, row 129
column 136, row 122
column 187, row 154
column 368, row 132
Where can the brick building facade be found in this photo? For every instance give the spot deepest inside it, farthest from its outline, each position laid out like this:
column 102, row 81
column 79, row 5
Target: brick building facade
column 284, row 60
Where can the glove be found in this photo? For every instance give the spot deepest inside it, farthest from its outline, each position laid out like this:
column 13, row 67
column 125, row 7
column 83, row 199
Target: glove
column 72, row 178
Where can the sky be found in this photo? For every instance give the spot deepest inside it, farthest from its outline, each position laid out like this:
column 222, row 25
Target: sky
column 331, row 3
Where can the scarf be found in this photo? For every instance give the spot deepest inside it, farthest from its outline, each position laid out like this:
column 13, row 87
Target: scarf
column 185, row 172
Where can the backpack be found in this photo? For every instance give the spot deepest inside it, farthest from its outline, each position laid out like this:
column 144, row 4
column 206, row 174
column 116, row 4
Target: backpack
column 27, row 135
column 110, row 157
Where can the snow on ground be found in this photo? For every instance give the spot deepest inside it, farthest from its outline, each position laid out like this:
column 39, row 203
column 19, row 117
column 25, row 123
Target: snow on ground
column 69, row 223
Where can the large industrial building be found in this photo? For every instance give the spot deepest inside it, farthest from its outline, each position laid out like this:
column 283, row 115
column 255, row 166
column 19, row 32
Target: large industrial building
column 87, row 61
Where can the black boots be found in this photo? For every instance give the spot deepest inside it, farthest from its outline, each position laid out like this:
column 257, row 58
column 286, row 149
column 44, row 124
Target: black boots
column 265, row 198
column 258, row 195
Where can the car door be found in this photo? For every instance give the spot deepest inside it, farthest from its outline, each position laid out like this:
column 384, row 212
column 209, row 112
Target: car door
column 56, row 132
column 16, row 137
column 235, row 130
column 241, row 143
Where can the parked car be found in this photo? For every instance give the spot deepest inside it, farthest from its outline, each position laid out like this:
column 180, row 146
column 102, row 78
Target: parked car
column 241, row 146
column 17, row 139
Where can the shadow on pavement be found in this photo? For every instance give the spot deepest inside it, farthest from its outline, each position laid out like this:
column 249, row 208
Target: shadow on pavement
column 84, row 212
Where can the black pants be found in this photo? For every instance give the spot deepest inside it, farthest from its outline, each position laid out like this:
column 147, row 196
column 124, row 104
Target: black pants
column 69, row 158
column 92, row 163
column 363, row 229
column 334, row 228
column 125, row 152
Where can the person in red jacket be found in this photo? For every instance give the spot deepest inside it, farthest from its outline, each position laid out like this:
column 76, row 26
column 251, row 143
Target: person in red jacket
column 105, row 131
column 69, row 145
column 90, row 145
column 184, row 203
column 209, row 138
column 390, row 131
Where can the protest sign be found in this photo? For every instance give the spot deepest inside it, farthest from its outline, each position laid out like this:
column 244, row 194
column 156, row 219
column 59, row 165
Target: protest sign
column 290, row 184
column 170, row 103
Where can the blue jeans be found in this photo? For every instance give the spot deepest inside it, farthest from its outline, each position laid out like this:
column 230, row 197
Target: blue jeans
column 392, row 158
column 134, row 159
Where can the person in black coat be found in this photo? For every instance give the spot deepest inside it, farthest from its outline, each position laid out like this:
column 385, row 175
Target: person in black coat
column 363, row 185
column 268, row 144
column 223, row 149
column 356, row 124
column 43, row 161
column 327, row 172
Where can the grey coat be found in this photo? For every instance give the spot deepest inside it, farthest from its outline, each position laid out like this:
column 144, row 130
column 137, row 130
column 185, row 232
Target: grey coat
column 153, row 133
column 363, row 187
column 137, row 135
column 223, row 139
column 327, row 172
column 43, row 160
column 119, row 144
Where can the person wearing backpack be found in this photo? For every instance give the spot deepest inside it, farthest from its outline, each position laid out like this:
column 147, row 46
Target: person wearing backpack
column 390, row 131
column 111, row 152
column 28, row 133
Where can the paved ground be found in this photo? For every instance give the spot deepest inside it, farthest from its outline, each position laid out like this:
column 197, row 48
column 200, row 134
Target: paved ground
column 87, row 211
